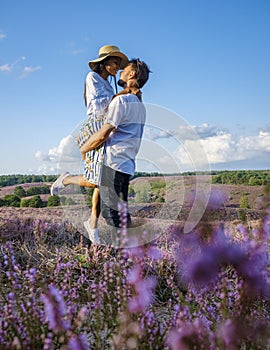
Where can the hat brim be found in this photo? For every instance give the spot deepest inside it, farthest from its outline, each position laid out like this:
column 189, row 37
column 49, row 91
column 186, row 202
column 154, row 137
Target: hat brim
column 123, row 63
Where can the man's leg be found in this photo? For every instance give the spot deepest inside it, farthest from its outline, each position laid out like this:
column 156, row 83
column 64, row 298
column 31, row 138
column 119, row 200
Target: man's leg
column 113, row 189
column 123, row 180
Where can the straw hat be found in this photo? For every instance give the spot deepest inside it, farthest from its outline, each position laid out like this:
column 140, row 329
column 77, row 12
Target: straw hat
column 110, row 50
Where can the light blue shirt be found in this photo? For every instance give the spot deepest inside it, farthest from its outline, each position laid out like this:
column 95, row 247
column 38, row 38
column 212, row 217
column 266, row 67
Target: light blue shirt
column 127, row 114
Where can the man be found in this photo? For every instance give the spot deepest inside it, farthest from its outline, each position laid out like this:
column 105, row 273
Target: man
column 122, row 134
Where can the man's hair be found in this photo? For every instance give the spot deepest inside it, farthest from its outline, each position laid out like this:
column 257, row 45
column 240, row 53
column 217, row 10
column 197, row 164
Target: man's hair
column 142, row 71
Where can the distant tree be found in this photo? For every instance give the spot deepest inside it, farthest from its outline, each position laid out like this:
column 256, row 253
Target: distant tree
column 53, row 201
column 36, row 202
column 67, row 201
column 254, row 181
column 24, row 203
column 11, row 200
column 32, row 191
column 19, row 191
column 10, row 180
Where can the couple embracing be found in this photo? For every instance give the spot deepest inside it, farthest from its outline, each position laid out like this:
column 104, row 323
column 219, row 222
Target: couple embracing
column 110, row 139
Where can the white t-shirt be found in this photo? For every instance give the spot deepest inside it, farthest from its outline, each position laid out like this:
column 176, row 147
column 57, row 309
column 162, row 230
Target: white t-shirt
column 99, row 93
column 127, row 114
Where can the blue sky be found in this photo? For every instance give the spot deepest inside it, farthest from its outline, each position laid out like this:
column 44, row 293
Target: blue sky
column 211, row 72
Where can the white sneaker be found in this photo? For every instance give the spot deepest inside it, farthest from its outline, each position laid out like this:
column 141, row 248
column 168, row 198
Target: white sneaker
column 92, row 233
column 58, row 184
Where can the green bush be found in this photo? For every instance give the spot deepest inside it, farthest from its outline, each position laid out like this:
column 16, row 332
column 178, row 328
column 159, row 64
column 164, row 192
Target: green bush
column 34, row 202
column 143, row 193
column 19, row 191
column 38, row 190
column 67, row 201
column 158, row 184
column 53, row 201
column 242, row 215
column 243, row 202
column 11, row 200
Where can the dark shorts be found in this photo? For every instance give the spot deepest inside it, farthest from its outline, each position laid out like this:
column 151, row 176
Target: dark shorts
column 113, row 189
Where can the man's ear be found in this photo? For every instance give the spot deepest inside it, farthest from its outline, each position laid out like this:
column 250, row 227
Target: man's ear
column 132, row 74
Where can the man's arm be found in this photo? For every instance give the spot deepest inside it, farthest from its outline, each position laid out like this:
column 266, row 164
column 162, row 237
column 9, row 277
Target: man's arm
column 97, row 139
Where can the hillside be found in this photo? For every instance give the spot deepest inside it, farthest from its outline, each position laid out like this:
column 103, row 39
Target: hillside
column 166, row 198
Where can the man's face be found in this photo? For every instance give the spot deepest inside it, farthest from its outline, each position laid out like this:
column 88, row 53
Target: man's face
column 125, row 75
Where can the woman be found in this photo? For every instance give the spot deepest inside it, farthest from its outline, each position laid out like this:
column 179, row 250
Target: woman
column 98, row 93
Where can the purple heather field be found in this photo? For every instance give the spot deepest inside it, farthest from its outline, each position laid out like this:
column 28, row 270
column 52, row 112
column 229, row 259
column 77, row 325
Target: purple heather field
column 205, row 289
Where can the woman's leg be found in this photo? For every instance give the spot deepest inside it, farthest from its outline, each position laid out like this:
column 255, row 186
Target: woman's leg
column 95, row 209
column 79, row 180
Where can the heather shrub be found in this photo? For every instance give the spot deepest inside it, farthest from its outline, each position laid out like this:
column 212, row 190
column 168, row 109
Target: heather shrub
column 243, row 202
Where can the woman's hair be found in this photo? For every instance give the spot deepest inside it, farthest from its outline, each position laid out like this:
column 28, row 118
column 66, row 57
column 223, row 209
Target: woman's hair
column 98, row 67
column 142, row 71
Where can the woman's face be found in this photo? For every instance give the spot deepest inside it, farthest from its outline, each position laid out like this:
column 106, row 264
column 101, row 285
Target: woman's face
column 112, row 65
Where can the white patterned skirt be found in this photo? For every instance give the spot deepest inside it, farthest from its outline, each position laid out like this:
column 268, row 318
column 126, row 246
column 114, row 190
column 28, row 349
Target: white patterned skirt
column 94, row 159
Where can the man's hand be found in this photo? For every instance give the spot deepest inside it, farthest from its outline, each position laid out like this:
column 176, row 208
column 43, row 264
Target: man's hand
column 83, row 154
column 131, row 88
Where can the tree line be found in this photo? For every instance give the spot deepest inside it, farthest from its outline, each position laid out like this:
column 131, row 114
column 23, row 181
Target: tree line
column 31, row 198
column 17, row 179
column 231, row 177
column 242, row 177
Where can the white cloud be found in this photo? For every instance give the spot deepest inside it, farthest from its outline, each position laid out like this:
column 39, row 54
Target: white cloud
column 2, row 36
column 66, row 151
column 28, row 70
column 41, row 156
column 64, row 157
column 17, row 69
column 224, row 147
column 153, row 134
column 9, row 67
column 183, row 132
column 190, row 154
column 221, row 148
column 5, row 68
column 205, row 130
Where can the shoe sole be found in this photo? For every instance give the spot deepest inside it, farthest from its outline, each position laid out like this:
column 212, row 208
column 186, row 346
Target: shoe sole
column 56, row 182
column 89, row 233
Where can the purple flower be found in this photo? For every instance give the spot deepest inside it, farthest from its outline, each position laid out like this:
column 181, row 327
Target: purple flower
column 78, row 342
column 55, row 309
column 185, row 337
column 144, row 294
column 154, row 253
column 228, row 333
